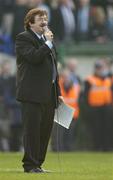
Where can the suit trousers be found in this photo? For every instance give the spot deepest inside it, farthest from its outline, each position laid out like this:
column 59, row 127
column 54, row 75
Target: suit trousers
column 37, row 127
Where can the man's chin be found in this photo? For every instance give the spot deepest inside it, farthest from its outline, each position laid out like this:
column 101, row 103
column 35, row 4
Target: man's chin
column 41, row 30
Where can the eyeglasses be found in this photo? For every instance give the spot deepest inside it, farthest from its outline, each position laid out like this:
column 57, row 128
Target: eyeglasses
column 41, row 19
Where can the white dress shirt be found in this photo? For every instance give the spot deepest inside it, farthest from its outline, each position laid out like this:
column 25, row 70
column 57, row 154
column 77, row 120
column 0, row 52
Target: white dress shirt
column 47, row 42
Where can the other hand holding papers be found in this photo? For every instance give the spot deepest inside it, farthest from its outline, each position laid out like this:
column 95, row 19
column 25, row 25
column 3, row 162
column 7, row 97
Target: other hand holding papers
column 64, row 115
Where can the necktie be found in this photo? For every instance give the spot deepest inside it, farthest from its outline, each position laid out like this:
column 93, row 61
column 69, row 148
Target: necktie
column 53, row 63
column 42, row 39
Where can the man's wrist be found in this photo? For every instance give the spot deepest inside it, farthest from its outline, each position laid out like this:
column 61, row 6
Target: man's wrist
column 49, row 44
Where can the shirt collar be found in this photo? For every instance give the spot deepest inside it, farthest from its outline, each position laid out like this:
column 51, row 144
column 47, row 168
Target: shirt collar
column 38, row 35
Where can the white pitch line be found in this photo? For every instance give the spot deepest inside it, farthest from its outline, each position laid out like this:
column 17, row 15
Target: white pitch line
column 11, row 170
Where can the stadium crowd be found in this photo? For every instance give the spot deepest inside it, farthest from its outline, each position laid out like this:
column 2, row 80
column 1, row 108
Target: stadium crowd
column 70, row 20
column 92, row 97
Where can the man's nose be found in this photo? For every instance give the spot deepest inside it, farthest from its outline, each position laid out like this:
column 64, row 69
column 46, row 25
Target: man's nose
column 44, row 23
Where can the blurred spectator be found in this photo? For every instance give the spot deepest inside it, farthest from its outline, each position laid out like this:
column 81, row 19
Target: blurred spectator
column 100, row 3
column 110, row 19
column 71, row 64
column 4, row 113
column 34, row 3
column 70, row 91
column 99, row 112
column 12, row 108
column 6, row 44
column 83, row 10
column 15, row 116
column 6, row 19
column 98, row 25
column 7, row 16
column 20, row 10
column 63, row 21
column 109, row 64
column 8, row 6
column 1, row 11
column 44, row 5
column 4, row 123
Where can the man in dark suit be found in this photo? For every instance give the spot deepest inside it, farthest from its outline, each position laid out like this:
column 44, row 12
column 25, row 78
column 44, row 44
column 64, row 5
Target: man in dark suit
column 37, row 86
column 63, row 22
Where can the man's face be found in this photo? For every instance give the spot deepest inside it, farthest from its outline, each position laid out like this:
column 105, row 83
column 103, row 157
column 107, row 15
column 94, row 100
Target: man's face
column 39, row 23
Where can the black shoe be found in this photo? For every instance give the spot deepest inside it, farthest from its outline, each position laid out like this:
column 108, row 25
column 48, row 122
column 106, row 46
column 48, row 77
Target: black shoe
column 34, row 170
column 45, row 171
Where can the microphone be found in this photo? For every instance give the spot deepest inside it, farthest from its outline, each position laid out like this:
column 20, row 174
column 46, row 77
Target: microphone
column 46, row 28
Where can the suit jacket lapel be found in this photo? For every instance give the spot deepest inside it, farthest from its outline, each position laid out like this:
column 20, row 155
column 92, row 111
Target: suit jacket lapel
column 38, row 42
column 35, row 37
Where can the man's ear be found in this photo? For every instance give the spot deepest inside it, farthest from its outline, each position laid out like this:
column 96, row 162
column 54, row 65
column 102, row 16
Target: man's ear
column 31, row 24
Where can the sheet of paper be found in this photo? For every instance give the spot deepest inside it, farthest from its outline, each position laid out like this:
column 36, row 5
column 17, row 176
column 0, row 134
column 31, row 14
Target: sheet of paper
column 63, row 115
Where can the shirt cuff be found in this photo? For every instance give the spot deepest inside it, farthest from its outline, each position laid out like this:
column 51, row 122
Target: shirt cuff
column 49, row 44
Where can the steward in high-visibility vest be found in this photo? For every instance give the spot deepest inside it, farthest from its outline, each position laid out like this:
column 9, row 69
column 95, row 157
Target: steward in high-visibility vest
column 98, row 109
column 70, row 91
column 100, row 92
column 71, row 96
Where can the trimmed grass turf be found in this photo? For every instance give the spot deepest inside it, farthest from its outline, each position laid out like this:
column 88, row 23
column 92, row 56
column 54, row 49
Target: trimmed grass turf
column 65, row 166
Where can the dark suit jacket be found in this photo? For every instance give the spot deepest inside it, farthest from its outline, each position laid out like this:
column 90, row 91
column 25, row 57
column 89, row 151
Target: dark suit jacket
column 34, row 69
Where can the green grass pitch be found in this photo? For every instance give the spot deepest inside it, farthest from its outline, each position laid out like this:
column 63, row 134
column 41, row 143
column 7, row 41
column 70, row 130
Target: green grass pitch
column 64, row 166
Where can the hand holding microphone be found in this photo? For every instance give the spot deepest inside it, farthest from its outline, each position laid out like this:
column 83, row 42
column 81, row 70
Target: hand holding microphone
column 48, row 34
